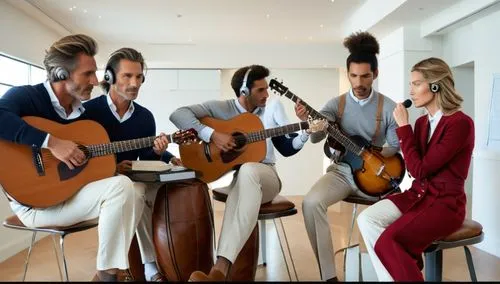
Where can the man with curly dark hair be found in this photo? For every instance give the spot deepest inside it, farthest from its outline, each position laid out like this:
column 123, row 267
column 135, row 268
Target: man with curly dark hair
column 361, row 111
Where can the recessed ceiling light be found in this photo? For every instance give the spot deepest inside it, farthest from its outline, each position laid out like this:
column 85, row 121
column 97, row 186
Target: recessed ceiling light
column 100, row 17
column 71, row 9
column 268, row 16
column 333, row 1
column 321, row 26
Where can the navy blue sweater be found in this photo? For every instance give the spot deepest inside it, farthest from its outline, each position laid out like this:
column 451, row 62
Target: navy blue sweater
column 27, row 101
column 141, row 124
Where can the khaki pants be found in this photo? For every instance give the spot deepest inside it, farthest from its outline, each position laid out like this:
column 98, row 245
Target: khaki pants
column 254, row 184
column 115, row 201
column 144, row 230
column 332, row 187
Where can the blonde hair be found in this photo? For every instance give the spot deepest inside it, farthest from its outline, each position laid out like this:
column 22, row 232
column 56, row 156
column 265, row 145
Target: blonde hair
column 64, row 54
column 435, row 70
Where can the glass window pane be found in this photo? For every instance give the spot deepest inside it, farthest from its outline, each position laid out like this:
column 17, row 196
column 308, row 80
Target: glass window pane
column 38, row 75
column 13, row 72
column 3, row 89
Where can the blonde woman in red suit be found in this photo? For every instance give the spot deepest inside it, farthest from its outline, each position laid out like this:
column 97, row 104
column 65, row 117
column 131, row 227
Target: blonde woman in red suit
column 437, row 153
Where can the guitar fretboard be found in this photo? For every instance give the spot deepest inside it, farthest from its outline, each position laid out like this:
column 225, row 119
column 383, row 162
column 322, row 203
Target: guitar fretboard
column 278, row 131
column 333, row 131
column 98, row 150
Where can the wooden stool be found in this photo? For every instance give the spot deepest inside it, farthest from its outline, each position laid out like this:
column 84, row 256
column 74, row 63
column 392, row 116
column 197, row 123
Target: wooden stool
column 277, row 208
column 470, row 233
column 13, row 222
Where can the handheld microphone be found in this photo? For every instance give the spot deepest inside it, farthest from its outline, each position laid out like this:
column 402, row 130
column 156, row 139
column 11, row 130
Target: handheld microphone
column 407, row 103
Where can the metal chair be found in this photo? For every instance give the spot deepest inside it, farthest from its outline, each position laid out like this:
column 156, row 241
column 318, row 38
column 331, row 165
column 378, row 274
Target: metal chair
column 276, row 209
column 13, row 222
column 355, row 200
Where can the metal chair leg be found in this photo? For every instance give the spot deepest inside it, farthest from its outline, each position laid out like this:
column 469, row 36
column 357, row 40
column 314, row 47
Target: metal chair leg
column 57, row 256
column 27, row 260
column 282, row 251
column 289, row 251
column 470, row 264
column 434, row 266
column 353, row 218
column 263, row 241
column 64, row 258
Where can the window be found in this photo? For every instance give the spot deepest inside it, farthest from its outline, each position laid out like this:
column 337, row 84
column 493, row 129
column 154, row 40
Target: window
column 3, row 89
column 15, row 72
column 37, row 75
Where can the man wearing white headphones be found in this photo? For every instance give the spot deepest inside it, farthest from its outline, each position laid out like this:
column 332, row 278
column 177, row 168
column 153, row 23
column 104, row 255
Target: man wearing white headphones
column 125, row 119
column 114, row 201
column 254, row 183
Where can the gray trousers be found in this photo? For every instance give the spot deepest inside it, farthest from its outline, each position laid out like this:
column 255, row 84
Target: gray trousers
column 331, row 188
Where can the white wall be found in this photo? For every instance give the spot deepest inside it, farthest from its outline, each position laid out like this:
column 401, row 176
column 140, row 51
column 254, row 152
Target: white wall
column 23, row 37
column 477, row 43
column 26, row 39
column 464, row 83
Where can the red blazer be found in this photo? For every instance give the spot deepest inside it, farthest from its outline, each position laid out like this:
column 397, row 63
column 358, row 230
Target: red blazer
column 439, row 167
column 434, row 206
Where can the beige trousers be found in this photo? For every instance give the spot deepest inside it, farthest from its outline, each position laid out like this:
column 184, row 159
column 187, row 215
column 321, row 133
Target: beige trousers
column 144, row 231
column 254, row 184
column 115, row 201
column 332, row 187
column 372, row 222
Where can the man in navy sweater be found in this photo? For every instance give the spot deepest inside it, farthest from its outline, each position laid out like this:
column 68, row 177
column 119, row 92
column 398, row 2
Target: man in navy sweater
column 125, row 119
column 114, row 201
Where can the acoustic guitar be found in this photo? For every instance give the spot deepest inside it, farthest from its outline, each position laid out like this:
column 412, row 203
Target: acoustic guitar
column 34, row 177
column 249, row 135
column 374, row 174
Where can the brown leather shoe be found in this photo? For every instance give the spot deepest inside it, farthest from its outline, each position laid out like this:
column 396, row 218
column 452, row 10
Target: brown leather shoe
column 158, row 277
column 214, row 275
column 112, row 278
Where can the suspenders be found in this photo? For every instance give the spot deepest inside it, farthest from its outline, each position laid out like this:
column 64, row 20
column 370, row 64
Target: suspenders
column 378, row 119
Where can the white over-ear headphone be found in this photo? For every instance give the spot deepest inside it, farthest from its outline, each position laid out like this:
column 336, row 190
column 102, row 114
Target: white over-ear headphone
column 244, row 91
column 434, row 87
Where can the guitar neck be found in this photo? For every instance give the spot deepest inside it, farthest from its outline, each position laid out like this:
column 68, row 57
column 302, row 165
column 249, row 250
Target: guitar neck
column 314, row 114
column 278, row 131
column 98, row 150
column 333, row 131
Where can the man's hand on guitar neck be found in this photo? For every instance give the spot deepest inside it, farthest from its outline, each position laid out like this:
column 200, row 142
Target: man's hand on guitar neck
column 161, row 144
column 301, row 111
column 223, row 141
column 66, row 151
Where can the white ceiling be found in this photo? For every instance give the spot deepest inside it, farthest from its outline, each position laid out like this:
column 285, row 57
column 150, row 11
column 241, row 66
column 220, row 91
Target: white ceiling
column 411, row 13
column 202, row 21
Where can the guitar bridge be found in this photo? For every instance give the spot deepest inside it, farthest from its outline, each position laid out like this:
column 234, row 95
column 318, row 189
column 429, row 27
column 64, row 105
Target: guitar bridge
column 382, row 168
column 37, row 160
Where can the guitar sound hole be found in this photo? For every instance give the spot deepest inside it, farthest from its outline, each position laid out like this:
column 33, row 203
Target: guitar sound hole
column 240, row 139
